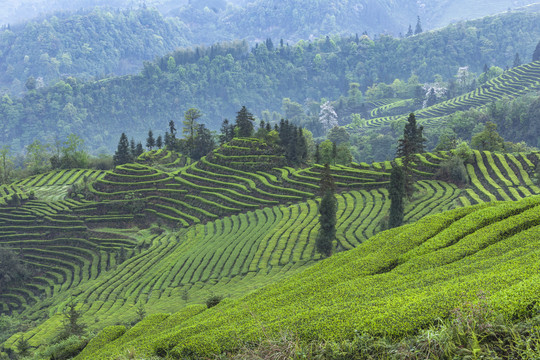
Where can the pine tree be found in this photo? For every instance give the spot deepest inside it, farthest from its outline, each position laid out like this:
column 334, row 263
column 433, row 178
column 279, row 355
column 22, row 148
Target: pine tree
column 431, row 98
column 517, row 61
column 418, row 29
column 72, row 325
column 150, row 141
column 301, row 146
column 327, row 211
column 317, row 154
column 190, row 125
column 132, row 148
column 159, row 142
column 227, row 132
column 411, row 143
column 172, row 129
column 409, row 32
column 204, row 142
column 536, row 54
column 244, row 122
column 139, row 149
column 123, row 153
column 396, row 192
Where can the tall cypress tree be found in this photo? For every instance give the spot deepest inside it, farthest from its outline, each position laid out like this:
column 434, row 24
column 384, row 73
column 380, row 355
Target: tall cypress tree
column 244, row 121
column 327, row 211
column 536, row 54
column 412, row 142
column 122, row 154
column 150, row 141
column 418, row 29
column 396, row 192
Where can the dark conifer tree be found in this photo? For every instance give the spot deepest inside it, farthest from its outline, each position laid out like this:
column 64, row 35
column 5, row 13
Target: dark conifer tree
column 431, row 98
column 268, row 127
column 167, row 141
column 536, row 53
column 327, row 211
column 409, row 32
column 517, row 61
column 227, row 132
column 301, row 146
column 122, row 154
column 396, row 192
column 244, row 122
column 334, row 152
column 203, row 143
column 317, row 154
column 159, row 142
column 172, row 129
column 139, row 150
column 150, row 141
column 132, row 148
column 290, row 150
column 411, row 143
column 418, row 29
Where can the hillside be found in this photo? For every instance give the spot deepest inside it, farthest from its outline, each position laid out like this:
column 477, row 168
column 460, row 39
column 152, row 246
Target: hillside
column 220, row 79
column 164, row 233
column 395, row 283
column 294, row 20
column 86, row 45
column 511, row 84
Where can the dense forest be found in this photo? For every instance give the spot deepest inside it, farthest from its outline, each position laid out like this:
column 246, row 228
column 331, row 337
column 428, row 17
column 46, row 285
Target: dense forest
column 220, row 79
column 86, row 44
column 115, row 39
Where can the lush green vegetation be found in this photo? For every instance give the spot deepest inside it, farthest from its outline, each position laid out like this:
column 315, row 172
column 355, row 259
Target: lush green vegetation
column 87, row 45
column 396, row 283
column 166, row 233
column 232, row 75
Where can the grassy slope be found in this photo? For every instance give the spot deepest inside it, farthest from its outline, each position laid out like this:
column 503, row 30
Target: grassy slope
column 513, row 83
column 393, row 284
column 232, row 255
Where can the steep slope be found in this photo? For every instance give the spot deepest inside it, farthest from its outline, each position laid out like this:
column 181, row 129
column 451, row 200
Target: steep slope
column 395, row 283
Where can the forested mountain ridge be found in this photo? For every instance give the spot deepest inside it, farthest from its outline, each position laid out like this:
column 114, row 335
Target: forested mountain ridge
column 294, row 20
column 85, row 45
column 220, row 79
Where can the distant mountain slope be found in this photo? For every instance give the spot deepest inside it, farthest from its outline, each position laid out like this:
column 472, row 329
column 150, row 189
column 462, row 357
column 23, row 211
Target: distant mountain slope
column 220, row 79
column 513, row 83
column 293, row 20
column 85, row 45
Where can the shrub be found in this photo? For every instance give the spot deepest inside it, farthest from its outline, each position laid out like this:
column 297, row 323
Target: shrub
column 65, row 349
column 453, row 170
column 213, row 300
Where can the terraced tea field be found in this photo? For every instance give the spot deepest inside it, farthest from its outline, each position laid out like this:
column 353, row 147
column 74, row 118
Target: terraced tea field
column 512, row 83
column 227, row 224
column 396, row 283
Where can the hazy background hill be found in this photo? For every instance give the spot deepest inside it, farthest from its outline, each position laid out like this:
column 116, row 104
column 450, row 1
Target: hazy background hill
column 73, row 38
column 220, row 79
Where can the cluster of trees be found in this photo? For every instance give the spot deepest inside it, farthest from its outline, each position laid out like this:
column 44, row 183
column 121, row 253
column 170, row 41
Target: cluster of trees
column 39, row 157
column 12, row 269
column 307, row 73
column 198, row 141
column 85, row 44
